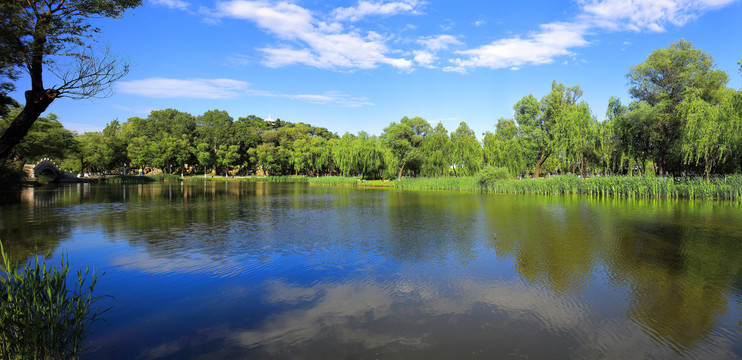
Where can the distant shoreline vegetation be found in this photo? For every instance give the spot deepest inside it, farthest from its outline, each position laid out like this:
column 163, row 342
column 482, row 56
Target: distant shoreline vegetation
column 641, row 187
column 682, row 123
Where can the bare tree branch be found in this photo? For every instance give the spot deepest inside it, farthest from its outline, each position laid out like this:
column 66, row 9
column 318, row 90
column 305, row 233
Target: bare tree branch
column 91, row 75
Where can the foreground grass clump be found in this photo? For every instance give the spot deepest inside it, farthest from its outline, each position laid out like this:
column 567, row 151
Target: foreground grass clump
column 41, row 317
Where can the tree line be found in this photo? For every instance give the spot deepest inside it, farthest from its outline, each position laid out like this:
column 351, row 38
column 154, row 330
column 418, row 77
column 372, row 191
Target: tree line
column 682, row 120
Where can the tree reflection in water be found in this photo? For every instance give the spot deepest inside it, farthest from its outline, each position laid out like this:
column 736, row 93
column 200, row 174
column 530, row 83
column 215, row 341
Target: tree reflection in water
column 284, row 270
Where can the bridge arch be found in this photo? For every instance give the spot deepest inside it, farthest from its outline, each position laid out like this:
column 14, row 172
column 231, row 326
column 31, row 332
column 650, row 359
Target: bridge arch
column 47, row 169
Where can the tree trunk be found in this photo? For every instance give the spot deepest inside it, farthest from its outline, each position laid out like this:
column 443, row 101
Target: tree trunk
column 539, row 162
column 582, row 167
column 36, row 104
column 709, row 164
column 399, row 175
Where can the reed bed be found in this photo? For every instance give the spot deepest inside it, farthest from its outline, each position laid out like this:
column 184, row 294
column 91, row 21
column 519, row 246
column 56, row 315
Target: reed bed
column 721, row 188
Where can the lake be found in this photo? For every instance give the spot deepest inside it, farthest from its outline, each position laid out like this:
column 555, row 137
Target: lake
column 291, row 271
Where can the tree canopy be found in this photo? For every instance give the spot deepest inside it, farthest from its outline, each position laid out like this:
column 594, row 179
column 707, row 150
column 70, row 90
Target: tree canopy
column 43, row 37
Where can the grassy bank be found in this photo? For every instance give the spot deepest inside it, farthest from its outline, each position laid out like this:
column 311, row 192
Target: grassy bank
column 721, row 188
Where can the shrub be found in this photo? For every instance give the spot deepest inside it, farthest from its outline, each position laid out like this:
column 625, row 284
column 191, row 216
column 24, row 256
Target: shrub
column 490, row 174
column 11, row 174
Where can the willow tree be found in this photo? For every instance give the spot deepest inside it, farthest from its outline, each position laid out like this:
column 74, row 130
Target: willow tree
column 539, row 122
column 711, row 130
column 504, row 147
column 436, row 147
column 43, row 37
column 466, row 151
column 576, row 135
column 662, row 82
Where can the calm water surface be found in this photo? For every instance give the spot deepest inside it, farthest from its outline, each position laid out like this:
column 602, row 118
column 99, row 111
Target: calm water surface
column 288, row 271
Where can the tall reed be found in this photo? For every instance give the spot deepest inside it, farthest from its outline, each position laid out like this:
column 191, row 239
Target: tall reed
column 722, row 188
column 44, row 316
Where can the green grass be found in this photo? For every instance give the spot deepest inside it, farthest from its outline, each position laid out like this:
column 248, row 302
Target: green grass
column 723, row 188
column 333, row 181
column 44, row 316
column 142, row 179
column 720, row 188
column 468, row 183
column 198, row 179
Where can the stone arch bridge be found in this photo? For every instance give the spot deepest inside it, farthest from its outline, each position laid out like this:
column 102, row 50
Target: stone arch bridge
column 49, row 171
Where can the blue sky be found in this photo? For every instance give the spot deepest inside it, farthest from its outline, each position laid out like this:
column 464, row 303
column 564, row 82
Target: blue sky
column 360, row 65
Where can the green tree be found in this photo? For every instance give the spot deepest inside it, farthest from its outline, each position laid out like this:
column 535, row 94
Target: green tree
column 138, row 152
column 114, row 139
column 270, row 158
column 46, row 138
column 405, row 141
column 537, row 139
column 227, row 156
column 214, row 127
column 539, row 122
column 663, row 81
column 301, row 155
column 92, row 152
column 711, row 130
column 368, row 156
column 436, row 148
column 321, row 153
column 504, row 147
column 247, row 135
column 466, row 151
column 342, row 153
column 576, row 135
column 205, row 156
column 53, row 36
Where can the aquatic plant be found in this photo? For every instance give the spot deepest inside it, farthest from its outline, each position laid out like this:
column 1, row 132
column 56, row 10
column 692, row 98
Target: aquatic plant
column 44, row 316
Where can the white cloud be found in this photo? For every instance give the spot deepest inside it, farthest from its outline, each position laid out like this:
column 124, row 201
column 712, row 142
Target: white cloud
column 286, row 20
column 440, row 42
column 368, row 8
column 226, row 89
column 173, row 4
column 553, row 40
column 646, row 15
column 425, row 58
column 479, row 23
column 183, row 88
column 433, row 44
column 560, row 38
column 333, row 98
column 316, row 43
column 239, row 60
